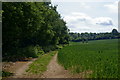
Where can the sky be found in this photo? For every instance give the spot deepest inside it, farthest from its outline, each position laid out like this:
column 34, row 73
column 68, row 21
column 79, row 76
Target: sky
column 89, row 16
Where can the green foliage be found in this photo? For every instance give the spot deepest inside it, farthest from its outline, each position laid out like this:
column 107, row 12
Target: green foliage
column 6, row 74
column 100, row 57
column 27, row 24
column 59, row 46
column 40, row 65
column 29, row 51
column 38, row 50
column 26, row 52
column 49, row 48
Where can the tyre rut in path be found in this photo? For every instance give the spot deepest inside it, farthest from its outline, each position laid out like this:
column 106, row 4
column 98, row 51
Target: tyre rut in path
column 54, row 70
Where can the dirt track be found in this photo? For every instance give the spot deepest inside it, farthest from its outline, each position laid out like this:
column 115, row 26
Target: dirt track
column 54, row 70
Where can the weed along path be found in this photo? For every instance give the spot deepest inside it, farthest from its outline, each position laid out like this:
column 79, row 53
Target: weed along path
column 54, row 70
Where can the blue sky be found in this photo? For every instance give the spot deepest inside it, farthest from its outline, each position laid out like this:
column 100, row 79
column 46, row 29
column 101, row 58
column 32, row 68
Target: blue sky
column 93, row 16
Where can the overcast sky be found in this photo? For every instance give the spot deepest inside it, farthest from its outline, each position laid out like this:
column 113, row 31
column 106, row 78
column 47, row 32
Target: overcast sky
column 93, row 16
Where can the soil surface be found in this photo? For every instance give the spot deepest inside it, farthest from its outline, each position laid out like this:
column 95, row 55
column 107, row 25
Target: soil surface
column 17, row 68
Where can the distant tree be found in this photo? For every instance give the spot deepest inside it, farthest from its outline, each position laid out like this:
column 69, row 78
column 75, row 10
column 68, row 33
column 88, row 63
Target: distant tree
column 114, row 31
column 85, row 37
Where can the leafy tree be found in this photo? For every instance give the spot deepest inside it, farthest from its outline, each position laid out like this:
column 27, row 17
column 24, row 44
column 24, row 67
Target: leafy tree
column 114, row 32
column 27, row 24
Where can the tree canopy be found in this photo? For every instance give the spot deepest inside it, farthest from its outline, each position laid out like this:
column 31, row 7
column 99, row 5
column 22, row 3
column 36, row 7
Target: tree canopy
column 30, row 24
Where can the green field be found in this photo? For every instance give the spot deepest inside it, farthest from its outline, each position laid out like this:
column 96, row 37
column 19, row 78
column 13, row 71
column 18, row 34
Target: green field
column 100, row 57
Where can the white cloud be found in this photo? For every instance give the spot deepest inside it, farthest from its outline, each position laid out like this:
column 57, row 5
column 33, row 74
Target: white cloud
column 82, row 17
column 105, row 21
column 81, row 22
column 112, row 7
column 75, row 16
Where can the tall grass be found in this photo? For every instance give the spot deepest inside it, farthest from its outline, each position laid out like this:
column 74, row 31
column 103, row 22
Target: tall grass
column 100, row 57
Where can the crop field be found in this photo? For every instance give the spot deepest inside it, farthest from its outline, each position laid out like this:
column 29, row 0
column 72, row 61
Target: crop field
column 98, row 57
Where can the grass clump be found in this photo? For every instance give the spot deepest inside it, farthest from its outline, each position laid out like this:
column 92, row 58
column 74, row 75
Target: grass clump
column 40, row 65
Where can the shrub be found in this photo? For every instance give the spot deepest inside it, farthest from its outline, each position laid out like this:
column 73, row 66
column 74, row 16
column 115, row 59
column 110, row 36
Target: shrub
column 38, row 50
column 32, row 51
column 6, row 74
column 49, row 48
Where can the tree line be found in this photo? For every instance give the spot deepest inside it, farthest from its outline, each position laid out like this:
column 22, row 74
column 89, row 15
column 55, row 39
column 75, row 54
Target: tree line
column 85, row 37
column 30, row 29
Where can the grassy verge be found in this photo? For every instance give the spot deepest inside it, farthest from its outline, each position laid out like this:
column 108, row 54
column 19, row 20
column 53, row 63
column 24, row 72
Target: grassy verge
column 40, row 65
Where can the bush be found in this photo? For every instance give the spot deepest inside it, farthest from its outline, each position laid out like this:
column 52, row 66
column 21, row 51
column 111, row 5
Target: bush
column 28, row 52
column 22, row 53
column 49, row 48
column 6, row 74
column 32, row 51
column 38, row 50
